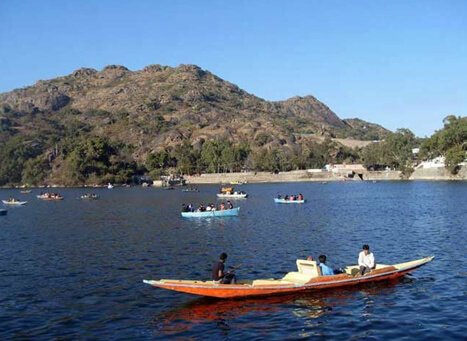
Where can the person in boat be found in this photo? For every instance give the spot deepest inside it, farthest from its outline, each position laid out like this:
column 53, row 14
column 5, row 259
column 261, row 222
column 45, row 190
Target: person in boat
column 202, row 208
column 286, row 197
column 300, row 196
column 325, row 270
column 279, row 196
column 222, row 207
column 292, row 197
column 208, row 208
column 213, row 207
column 218, row 273
column 366, row 260
column 229, row 204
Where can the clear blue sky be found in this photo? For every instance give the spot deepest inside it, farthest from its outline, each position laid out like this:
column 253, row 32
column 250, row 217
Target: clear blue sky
column 399, row 63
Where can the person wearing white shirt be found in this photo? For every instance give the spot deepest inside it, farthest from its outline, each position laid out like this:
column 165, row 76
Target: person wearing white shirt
column 366, row 260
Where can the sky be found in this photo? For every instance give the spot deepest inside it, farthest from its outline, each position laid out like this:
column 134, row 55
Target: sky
column 398, row 63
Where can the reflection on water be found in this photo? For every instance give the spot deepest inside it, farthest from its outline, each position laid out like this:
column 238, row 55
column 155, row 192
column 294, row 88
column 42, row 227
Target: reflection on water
column 305, row 306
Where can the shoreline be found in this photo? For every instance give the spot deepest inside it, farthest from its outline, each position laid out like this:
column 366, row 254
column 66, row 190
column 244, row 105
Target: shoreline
column 435, row 174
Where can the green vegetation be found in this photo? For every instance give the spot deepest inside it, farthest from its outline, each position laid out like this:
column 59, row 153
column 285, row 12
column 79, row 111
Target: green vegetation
column 394, row 152
column 451, row 142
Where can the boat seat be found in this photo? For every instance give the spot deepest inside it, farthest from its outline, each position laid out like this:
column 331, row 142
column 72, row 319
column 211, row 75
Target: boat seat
column 307, row 270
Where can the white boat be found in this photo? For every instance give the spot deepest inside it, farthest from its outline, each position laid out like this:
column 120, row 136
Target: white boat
column 14, row 202
column 110, row 186
column 234, row 195
column 283, row 201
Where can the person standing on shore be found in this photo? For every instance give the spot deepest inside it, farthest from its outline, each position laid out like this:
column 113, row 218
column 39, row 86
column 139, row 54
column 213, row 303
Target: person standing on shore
column 366, row 260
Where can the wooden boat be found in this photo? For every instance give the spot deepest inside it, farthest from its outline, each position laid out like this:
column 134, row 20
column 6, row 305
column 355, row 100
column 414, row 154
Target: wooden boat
column 307, row 279
column 3, row 211
column 14, row 202
column 234, row 195
column 283, row 201
column 207, row 214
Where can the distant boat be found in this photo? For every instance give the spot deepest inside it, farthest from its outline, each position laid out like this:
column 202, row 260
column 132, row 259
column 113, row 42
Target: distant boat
column 283, row 201
column 14, row 202
column 50, row 197
column 191, row 189
column 3, row 211
column 208, row 214
column 89, row 196
column 169, row 188
column 234, row 195
column 237, row 182
column 110, row 186
column 25, row 191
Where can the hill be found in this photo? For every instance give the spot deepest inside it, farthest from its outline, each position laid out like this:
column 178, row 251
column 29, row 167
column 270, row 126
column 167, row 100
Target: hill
column 159, row 108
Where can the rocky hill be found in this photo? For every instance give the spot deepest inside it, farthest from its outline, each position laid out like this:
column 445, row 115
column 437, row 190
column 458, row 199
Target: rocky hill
column 159, row 107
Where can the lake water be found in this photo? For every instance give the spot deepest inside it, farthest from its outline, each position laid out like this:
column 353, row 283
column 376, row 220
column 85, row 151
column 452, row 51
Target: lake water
column 74, row 269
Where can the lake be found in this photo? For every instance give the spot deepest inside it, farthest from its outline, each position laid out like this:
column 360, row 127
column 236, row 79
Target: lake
column 74, row 269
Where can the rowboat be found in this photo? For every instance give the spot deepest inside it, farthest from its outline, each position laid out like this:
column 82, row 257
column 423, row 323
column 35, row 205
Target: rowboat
column 283, row 201
column 14, row 202
column 216, row 213
column 3, row 211
column 308, row 278
column 234, row 195
column 89, row 196
column 48, row 197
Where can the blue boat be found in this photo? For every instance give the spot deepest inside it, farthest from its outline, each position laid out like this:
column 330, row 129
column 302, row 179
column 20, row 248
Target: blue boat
column 283, row 201
column 208, row 214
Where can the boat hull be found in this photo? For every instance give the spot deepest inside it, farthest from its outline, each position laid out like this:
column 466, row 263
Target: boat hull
column 14, row 203
column 231, row 291
column 283, row 201
column 209, row 214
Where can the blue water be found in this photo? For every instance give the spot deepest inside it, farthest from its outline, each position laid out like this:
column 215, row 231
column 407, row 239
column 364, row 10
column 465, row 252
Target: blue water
column 74, row 269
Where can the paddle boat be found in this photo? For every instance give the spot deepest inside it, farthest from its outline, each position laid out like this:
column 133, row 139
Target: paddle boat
column 284, row 201
column 3, row 211
column 234, row 195
column 14, row 202
column 216, row 213
column 307, row 278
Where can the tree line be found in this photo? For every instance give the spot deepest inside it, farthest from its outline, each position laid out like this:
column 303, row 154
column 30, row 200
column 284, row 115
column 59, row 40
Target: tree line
column 80, row 158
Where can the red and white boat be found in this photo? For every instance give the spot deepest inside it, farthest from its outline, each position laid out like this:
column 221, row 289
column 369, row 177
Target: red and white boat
column 308, row 278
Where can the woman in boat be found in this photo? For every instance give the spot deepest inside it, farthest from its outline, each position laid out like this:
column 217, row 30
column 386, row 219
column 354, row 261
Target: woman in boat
column 218, row 273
